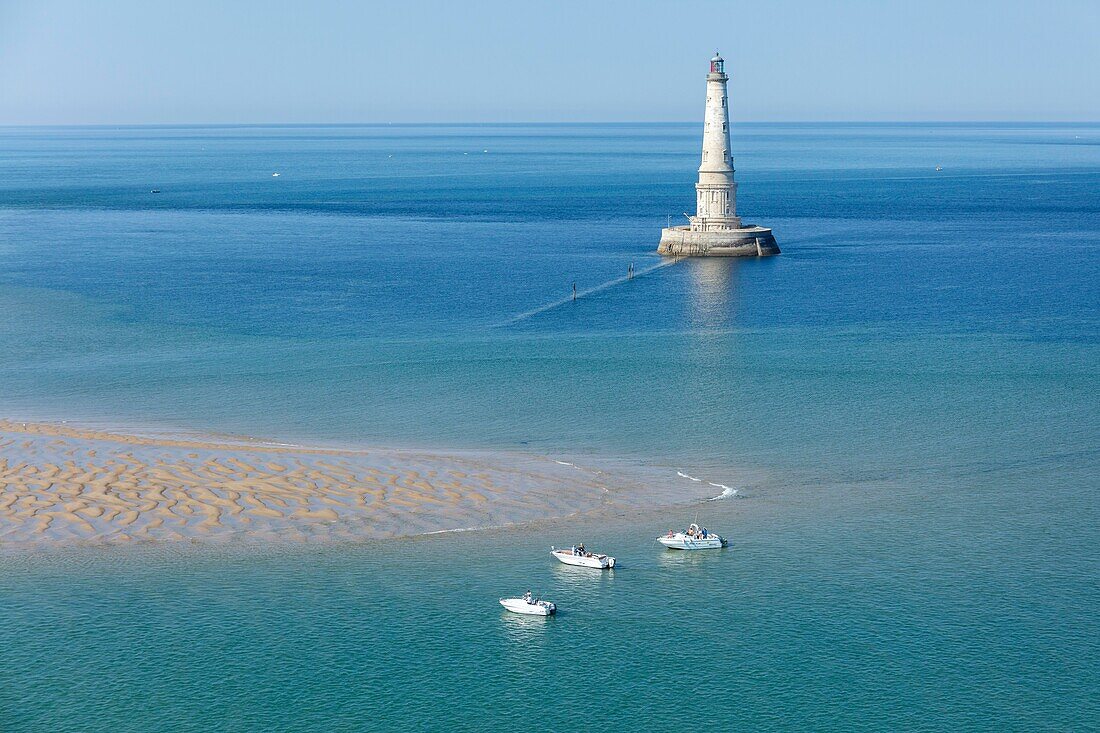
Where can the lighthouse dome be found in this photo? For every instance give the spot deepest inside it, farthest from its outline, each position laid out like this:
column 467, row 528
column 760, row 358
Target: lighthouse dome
column 717, row 64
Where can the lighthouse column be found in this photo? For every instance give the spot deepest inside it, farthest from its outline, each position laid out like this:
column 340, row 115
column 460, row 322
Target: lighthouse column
column 716, row 229
column 716, row 191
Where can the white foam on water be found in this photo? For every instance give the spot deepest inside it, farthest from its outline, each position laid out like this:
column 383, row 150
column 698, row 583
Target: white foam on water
column 684, row 475
column 564, row 463
column 727, row 491
column 458, row 529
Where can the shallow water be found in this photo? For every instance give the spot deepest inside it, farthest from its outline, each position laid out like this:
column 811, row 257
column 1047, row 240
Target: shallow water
column 906, row 399
column 831, row 617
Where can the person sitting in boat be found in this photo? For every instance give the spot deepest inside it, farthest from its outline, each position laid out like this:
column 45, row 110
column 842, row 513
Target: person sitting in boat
column 704, row 533
column 527, row 597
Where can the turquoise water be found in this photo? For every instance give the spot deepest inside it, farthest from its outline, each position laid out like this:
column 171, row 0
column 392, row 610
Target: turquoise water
column 911, row 387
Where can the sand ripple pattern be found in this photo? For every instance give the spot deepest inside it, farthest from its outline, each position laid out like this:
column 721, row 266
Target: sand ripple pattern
column 61, row 484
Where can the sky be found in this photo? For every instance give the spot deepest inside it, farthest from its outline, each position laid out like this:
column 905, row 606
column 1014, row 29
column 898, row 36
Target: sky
column 239, row 62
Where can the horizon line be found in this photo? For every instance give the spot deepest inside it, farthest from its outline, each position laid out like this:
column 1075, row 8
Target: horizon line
column 537, row 123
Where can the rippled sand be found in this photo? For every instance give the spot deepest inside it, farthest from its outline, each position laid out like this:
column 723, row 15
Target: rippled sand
column 61, row 484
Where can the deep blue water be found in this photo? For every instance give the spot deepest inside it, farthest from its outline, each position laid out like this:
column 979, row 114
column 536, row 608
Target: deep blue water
column 913, row 385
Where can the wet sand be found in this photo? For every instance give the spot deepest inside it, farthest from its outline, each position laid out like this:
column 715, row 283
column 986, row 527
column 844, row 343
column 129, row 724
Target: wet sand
column 60, row 484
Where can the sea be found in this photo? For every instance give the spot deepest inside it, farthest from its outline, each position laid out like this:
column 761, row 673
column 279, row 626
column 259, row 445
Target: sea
column 899, row 417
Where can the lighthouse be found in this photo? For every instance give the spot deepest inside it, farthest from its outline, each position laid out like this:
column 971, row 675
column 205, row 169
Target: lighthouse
column 716, row 229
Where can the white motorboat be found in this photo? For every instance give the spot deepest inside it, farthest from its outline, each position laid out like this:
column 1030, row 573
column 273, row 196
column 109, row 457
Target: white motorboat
column 577, row 555
column 528, row 605
column 694, row 538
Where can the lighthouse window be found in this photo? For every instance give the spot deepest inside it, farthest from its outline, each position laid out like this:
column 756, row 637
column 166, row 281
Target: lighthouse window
column 723, row 101
column 723, row 127
column 704, row 156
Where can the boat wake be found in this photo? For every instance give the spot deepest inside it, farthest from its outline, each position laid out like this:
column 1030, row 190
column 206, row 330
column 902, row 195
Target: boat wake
column 690, row 478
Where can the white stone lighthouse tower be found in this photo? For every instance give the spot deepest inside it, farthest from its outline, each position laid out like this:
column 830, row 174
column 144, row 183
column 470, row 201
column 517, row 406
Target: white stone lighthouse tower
column 716, row 191
column 716, row 230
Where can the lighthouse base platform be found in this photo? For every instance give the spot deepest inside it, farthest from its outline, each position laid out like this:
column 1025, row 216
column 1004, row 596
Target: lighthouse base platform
column 749, row 241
